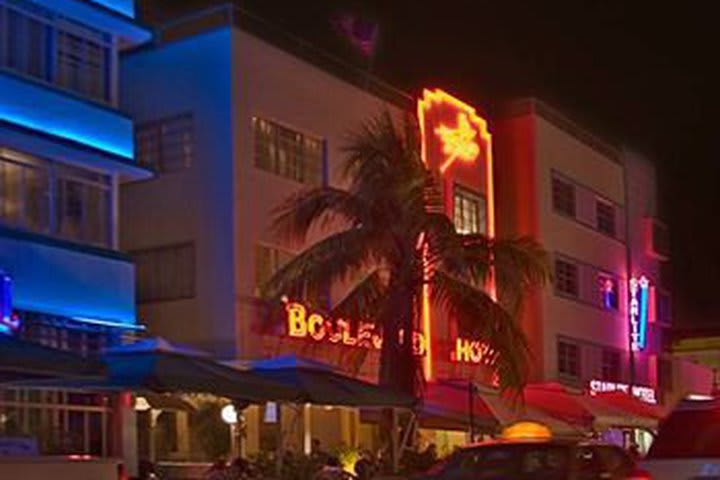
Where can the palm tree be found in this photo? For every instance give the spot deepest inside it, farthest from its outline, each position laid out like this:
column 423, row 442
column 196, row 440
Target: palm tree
column 387, row 229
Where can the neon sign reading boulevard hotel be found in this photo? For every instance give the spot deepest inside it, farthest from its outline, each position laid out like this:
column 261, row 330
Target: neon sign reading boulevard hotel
column 316, row 327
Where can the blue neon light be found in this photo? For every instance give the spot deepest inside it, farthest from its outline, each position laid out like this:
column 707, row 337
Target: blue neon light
column 47, row 111
column 8, row 323
column 643, row 317
column 126, row 7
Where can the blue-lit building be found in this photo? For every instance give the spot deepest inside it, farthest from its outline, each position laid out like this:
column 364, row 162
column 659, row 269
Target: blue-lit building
column 64, row 150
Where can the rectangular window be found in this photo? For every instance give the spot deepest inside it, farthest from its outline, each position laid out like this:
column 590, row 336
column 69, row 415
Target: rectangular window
column 663, row 307
column 166, row 145
column 288, row 153
column 568, row 359
column 605, row 217
column 41, row 44
column 470, row 212
column 165, row 273
column 268, row 260
column 45, row 197
column 608, row 289
column 563, row 196
column 567, row 278
column 610, row 365
column 82, row 205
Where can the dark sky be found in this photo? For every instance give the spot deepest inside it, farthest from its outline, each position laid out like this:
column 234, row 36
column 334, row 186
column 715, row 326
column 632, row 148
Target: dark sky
column 636, row 72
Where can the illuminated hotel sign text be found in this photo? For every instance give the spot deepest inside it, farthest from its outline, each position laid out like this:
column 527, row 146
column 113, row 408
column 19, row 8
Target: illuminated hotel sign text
column 639, row 292
column 313, row 326
column 645, row 394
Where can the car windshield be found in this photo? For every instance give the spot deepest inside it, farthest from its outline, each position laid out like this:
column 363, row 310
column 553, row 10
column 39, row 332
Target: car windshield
column 509, row 461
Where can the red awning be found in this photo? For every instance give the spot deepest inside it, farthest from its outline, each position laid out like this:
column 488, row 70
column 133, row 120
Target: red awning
column 447, row 405
column 630, row 404
column 555, row 400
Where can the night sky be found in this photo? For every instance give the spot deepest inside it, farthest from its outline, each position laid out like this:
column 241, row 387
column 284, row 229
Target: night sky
column 634, row 72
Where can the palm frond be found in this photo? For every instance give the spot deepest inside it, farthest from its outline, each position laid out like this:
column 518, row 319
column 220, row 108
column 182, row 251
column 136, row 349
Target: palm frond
column 330, row 260
column 363, row 300
column 321, row 206
column 480, row 317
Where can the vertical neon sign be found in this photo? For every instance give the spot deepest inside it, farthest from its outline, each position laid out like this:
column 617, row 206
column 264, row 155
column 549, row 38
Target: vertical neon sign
column 454, row 140
column 8, row 323
column 639, row 296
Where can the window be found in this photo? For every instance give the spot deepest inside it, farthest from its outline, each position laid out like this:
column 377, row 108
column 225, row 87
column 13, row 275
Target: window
column 608, row 288
column 663, row 306
column 27, row 39
column 610, row 365
column 268, row 260
column 568, row 359
column 32, row 189
column 166, row 145
column 82, row 206
column 605, row 217
column 165, row 273
column 563, row 196
column 287, row 153
column 566, row 278
column 470, row 212
column 40, row 44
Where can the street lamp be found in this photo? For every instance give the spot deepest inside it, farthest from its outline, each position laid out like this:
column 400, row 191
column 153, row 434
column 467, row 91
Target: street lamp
column 229, row 415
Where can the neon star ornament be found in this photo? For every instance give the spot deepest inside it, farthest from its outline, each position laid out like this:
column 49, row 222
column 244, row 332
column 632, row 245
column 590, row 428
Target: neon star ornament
column 458, row 143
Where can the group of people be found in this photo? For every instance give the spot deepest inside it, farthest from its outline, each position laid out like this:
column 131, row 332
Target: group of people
column 238, row 469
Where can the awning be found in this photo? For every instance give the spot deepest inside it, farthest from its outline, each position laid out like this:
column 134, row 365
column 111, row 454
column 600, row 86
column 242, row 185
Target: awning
column 620, row 410
column 447, row 406
column 156, row 365
column 21, row 360
column 509, row 413
column 558, row 402
column 318, row 383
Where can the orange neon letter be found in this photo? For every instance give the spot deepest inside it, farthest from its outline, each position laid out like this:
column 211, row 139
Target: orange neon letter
column 296, row 315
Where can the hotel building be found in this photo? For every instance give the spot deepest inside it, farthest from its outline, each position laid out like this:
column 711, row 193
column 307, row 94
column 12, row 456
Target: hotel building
column 234, row 116
column 65, row 149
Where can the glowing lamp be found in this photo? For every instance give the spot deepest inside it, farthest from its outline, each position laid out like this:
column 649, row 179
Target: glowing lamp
column 526, row 431
column 229, row 414
column 142, row 404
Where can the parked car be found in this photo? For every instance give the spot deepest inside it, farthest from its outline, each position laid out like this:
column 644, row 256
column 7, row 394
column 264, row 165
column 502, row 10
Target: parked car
column 688, row 443
column 537, row 460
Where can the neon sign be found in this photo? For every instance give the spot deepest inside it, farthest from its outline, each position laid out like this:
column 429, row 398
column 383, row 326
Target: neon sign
column 645, row 394
column 313, row 326
column 452, row 134
column 459, row 142
column 9, row 322
column 474, row 352
column 639, row 293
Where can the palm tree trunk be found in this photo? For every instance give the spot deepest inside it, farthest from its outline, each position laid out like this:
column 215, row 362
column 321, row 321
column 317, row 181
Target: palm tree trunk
column 397, row 366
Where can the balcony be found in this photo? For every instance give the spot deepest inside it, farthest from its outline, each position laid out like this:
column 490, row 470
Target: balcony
column 43, row 121
column 65, row 279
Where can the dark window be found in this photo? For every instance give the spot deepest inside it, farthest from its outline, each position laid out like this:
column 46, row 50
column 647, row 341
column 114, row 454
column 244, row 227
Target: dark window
column 470, row 213
column 168, row 144
column 610, row 365
column 165, row 273
column 568, row 359
column 38, row 43
column 608, row 287
column 663, row 306
column 563, row 196
column 288, row 153
column 566, row 278
column 605, row 216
